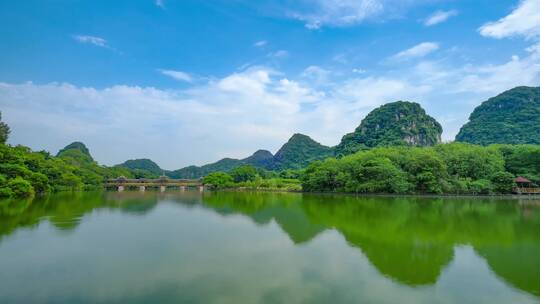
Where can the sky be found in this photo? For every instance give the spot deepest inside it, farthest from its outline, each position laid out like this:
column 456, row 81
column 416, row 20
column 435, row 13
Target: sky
column 189, row 82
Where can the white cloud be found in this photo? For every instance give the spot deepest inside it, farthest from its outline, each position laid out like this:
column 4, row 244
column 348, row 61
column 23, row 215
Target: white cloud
column 338, row 12
column 523, row 21
column 439, row 17
column 214, row 120
column 260, row 43
column 316, row 74
column 417, row 51
column 177, row 75
column 279, row 54
column 340, row 58
column 97, row 41
column 497, row 78
column 160, row 3
column 342, row 13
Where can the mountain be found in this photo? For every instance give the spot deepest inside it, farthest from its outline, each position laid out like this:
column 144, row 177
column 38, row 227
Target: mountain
column 192, row 172
column 74, row 146
column 261, row 159
column 77, row 152
column 298, row 152
column 396, row 123
column 143, row 164
column 512, row 117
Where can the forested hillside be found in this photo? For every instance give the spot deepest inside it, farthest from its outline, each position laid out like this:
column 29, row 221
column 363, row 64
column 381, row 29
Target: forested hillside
column 398, row 123
column 298, row 152
column 143, row 167
column 512, row 117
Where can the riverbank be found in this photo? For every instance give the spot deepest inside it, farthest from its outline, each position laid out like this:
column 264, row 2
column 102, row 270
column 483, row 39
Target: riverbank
column 446, row 169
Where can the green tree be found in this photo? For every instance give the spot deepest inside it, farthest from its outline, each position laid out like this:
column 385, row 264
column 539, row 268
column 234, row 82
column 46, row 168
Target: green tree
column 502, row 182
column 370, row 173
column 20, row 187
column 40, row 182
column 4, row 131
column 69, row 181
column 219, row 180
column 244, row 173
column 4, row 190
column 481, row 186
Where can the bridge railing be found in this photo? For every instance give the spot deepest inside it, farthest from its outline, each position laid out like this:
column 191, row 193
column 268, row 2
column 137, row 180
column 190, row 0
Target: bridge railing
column 159, row 181
column 520, row 190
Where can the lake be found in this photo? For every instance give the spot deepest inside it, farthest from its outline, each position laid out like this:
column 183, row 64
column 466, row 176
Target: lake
column 227, row 247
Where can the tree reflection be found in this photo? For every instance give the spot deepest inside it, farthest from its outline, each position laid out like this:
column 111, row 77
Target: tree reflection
column 408, row 239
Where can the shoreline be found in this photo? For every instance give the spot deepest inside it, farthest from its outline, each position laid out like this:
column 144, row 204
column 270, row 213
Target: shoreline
column 267, row 190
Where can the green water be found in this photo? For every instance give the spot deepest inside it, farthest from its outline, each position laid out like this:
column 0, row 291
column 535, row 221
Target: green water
column 268, row 248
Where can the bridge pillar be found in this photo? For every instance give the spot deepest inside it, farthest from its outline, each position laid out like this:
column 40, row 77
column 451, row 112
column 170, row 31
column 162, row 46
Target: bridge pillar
column 142, row 188
column 201, row 188
column 182, row 188
column 120, row 188
column 162, row 188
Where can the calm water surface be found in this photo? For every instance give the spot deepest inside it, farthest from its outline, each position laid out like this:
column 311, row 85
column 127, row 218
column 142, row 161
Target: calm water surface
column 268, row 248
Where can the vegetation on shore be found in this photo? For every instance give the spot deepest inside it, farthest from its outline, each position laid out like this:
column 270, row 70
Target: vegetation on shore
column 455, row 168
column 250, row 177
column 24, row 173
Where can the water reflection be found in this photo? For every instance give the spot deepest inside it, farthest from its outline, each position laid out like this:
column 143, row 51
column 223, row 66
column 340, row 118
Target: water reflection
column 410, row 240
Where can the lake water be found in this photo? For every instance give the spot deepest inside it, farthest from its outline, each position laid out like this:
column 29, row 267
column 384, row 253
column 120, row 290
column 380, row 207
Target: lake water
column 268, row 248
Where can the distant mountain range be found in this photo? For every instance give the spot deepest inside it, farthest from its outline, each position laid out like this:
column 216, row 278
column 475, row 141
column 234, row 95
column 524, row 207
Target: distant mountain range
column 512, row 117
column 297, row 153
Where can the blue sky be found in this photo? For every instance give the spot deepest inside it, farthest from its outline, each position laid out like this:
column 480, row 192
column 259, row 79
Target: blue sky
column 189, row 82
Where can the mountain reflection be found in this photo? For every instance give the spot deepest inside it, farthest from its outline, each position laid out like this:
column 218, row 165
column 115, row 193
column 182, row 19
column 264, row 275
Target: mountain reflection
column 408, row 239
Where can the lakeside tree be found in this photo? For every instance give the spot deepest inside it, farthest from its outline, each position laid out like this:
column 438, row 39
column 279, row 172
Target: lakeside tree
column 4, row 131
column 455, row 168
column 219, row 180
column 24, row 173
column 244, row 173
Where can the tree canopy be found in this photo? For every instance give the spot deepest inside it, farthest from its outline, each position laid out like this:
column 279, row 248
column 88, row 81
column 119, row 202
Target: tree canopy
column 4, row 131
column 455, row 168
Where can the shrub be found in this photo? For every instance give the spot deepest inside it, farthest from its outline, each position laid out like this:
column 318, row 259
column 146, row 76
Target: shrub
column 503, row 182
column 218, row 179
column 5, row 192
column 481, row 186
column 21, row 187
column 244, row 173
column 40, row 183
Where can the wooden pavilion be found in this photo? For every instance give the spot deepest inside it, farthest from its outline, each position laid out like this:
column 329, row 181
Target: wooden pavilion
column 525, row 186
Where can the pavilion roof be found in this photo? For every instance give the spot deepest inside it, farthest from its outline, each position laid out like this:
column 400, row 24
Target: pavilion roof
column 521, row 179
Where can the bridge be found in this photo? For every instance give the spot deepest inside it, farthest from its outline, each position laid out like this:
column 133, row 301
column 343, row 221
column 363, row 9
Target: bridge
column 162, row 183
